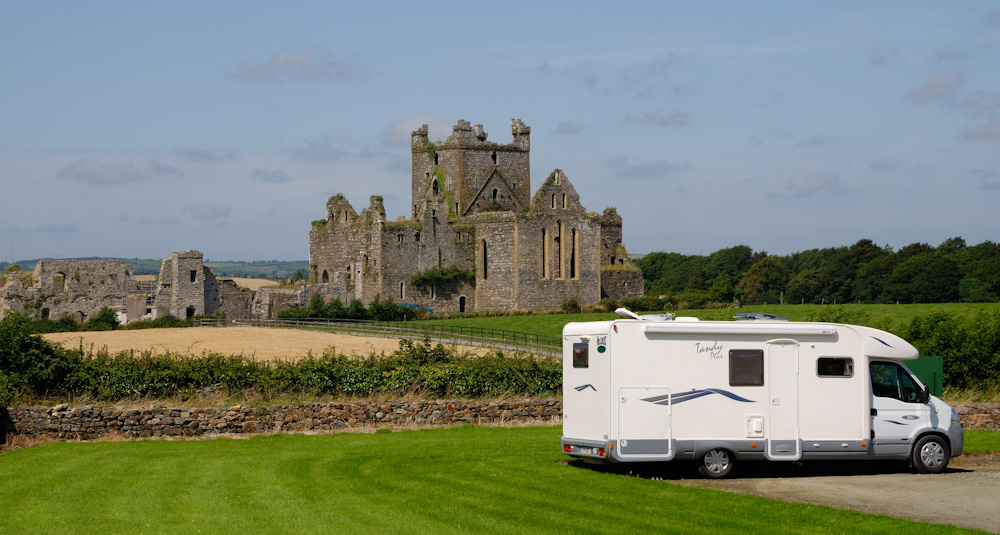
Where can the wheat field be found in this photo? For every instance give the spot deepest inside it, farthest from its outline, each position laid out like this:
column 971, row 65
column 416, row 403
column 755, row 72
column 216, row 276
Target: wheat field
column 249, row 283
column 259, row 343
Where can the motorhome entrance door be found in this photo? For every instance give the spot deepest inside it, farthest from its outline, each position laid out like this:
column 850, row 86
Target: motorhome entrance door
column 644, row 423
column 783, row 404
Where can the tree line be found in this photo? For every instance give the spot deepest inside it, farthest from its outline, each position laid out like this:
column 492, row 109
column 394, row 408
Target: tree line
column 861, row 273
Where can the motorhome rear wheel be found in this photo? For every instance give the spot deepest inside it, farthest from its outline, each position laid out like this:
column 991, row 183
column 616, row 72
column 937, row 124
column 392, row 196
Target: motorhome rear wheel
column 716, row 463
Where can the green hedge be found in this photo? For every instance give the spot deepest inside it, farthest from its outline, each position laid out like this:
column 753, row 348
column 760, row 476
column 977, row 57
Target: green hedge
column 32, row 369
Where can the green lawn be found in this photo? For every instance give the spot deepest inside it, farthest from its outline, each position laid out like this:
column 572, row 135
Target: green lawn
column 981, row 441
column 456, row 480
column 876, row 315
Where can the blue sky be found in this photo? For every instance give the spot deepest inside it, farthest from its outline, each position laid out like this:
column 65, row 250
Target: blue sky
column 135, row 129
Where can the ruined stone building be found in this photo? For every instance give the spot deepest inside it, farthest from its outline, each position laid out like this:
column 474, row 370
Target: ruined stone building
column 81, row 288
column 477, row 239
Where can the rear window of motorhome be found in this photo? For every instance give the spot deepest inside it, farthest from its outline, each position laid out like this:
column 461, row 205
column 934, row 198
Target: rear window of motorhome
column 835, row 367
column 581, row 356
column 746, row 367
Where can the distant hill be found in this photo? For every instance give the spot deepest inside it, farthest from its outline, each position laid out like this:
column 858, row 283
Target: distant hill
column 269, row 269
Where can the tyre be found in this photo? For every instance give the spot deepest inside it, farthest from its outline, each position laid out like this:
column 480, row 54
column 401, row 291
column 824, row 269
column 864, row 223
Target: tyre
column 931, row 455
column 716, row 464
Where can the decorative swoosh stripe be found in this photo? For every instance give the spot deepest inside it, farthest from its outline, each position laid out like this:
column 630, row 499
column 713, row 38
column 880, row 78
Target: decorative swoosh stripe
column 581, row 388
column 882, row 342
column 895, row 422
column 695, row 394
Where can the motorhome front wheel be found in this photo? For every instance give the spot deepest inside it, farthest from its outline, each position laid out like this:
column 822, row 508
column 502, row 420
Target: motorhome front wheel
column 931, row 455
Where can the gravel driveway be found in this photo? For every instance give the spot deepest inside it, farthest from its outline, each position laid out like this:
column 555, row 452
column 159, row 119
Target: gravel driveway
column 965, row 495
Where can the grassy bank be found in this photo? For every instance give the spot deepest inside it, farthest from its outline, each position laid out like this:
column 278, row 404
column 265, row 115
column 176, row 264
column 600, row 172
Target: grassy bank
column 874, row 315
column 457, row 480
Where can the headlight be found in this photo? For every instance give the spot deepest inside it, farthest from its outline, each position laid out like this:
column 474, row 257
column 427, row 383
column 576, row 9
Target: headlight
column 954, row 417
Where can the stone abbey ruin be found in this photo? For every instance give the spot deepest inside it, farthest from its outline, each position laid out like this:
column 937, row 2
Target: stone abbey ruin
column 477, row 239
column 474, row 218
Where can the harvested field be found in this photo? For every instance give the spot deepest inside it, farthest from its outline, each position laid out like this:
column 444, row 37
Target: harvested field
column 250, row 283
column 259, row 343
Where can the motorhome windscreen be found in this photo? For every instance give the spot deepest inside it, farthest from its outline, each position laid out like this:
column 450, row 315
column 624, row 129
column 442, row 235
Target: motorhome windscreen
column 746, row 367
column 835, row 367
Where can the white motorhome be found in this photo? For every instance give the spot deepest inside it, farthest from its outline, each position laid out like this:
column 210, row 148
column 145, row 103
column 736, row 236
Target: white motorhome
column 659, row 388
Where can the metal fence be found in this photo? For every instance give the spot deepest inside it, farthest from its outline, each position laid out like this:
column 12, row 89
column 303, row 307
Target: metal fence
column 537, row 344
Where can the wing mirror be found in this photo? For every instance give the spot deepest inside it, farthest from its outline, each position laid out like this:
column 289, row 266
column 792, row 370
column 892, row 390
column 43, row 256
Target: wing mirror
column 925, row 394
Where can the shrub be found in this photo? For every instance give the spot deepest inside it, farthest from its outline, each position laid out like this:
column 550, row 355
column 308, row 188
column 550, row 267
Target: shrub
column 645, row 304
column 29, row 362
column 443, row 275
column 608, row 305
column 571, row 306
column 380, row 310
column 105, row 320
column 158, row 323
column 7, row 392
column 970, row 349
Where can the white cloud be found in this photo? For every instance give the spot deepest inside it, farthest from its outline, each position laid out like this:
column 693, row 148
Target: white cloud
column 398, row 133
column 567, row 128
column 817, row 140
column 982, row 101
column 207, row 210
column 267, row 175
column 310, row 63
column 807, row 183
column 936, row 86
column 987, row 132
column 647, row 170
column 883, row 58
column 883, row 164
column 207, row 156
column 104, row 173
column 50, row 228
column 160, row 169
column 321, row 151
column 661, row 119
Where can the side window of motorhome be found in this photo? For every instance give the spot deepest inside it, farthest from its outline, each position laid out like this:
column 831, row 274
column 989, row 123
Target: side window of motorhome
column 581, row 356
column 835, row 367
column 890, row 380
column 746, row 367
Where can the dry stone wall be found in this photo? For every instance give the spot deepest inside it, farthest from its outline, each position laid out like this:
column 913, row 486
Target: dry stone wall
column 89, row 422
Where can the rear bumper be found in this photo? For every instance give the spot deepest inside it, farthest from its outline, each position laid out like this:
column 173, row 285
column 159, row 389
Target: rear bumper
column 586, row 449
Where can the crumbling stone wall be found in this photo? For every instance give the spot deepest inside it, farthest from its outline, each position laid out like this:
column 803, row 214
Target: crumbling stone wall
column 618, row 284
column 235, row 302
column 267, row 302
column 345, row 249
column 78, row 288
